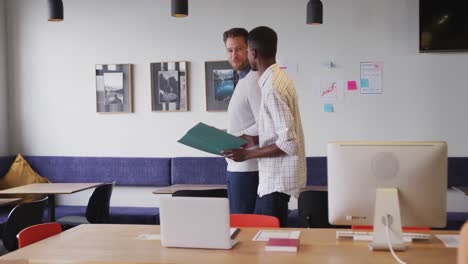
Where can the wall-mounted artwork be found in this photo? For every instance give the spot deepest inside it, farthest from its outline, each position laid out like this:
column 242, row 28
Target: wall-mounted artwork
column 114, row 88
column 169, row 90
column 221, row 79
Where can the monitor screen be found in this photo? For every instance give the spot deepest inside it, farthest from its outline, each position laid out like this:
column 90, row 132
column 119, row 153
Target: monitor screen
column 418, row 170
column 443, row 25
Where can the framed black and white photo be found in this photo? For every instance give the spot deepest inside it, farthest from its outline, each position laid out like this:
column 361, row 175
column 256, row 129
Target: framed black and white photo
column 169, row 86
column 221, row 80
column 114, row 88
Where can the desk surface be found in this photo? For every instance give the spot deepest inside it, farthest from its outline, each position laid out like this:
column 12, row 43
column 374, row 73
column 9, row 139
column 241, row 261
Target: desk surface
column 6, row 201
column 50, row 188
column 118, row 244
column 177, row 187
column 463, row 189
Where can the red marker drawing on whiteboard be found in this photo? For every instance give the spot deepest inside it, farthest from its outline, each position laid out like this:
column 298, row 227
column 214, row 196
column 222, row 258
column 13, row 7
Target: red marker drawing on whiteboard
column 330, row 89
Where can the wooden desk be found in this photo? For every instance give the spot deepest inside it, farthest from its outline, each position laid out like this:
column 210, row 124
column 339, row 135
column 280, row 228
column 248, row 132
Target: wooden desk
column 7, row 201
column 177, row 187
column 463, row 189
column 118, row 244
column 50, row 189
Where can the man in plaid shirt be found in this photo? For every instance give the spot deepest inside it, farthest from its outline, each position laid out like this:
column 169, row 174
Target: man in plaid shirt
column 281, row 155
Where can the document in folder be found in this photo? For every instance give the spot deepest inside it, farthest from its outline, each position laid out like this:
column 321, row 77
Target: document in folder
column 210, row 139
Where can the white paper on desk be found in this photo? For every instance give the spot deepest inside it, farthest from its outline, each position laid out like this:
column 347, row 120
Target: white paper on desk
column 149, row 237
column 450, row 241
column 265, row 235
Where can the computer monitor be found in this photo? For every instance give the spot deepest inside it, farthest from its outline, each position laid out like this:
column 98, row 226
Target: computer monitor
column 405, row 180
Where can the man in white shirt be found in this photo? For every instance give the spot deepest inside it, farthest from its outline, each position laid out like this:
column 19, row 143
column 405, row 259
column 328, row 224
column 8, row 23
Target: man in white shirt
column 242, row 177
column 281, row 155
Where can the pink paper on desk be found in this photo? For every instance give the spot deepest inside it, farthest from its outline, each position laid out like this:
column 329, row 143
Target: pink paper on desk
column 352, row 86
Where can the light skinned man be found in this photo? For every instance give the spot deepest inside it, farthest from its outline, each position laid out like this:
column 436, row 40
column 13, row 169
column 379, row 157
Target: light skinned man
column 242, row 177
column 281, row 155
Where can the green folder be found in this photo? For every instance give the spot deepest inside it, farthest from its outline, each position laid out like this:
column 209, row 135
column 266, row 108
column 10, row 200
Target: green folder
column 210, row 139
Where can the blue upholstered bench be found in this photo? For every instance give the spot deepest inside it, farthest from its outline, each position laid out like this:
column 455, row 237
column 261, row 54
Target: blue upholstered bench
column 179, row 170
column 316, row 176
column 198, row 170
column 118, row 214
column 152, row 172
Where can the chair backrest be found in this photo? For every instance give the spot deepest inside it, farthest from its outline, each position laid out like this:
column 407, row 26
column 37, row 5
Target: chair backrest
column 35, row 233
column 20, row 217
column 313, row 208
column 218, row 193
column 253, row 220
column 97, row 211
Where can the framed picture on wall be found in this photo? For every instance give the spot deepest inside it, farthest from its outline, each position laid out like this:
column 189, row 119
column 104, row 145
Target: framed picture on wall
column 221, row 80
column 114, row 91
column 169, row 90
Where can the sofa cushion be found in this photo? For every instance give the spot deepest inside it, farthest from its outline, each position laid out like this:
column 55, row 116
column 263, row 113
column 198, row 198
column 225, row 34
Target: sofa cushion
column 457, row 171
column 5, row 164
column 134, row 215
column 124, row 171
column 455, row 220
column 198, row 170
column 19, row 174
column 65, row 210
column 317, row 171
column 118, row 214
column 60, row 211
column 4, row 212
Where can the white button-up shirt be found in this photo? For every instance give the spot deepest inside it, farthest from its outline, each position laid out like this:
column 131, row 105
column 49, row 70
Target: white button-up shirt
column 280, row 124
column 242, row 117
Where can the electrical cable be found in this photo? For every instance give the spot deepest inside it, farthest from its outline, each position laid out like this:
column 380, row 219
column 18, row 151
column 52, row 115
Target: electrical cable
column 389, row 243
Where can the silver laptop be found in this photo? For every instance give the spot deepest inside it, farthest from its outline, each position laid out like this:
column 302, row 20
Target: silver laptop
column 195, row 222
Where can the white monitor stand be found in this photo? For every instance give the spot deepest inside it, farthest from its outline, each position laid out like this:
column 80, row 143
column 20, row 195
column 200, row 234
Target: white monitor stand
column 387, row 206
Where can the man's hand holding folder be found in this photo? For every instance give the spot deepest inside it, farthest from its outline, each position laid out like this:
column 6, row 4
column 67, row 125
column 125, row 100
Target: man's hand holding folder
column 241, row 153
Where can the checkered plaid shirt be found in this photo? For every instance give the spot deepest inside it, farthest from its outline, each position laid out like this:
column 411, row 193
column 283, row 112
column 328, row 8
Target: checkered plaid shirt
column 280, row 123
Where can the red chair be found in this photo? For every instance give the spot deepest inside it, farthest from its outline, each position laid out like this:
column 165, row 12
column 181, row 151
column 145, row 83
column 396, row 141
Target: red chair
column 38, row 232
column 253, row 220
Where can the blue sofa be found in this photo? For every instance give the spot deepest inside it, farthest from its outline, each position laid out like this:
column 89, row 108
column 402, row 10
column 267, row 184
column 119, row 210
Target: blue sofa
column 124, row 171
column 156, row 172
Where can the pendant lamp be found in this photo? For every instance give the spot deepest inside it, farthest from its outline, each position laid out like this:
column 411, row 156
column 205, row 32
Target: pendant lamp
column 55, row 10
column 314, row 12
column 179, row 8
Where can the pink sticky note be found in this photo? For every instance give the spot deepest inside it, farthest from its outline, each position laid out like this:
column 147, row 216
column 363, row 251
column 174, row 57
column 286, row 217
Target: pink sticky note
column 352, row 85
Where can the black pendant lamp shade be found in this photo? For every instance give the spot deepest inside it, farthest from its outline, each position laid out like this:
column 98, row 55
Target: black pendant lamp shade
column 314, row 12
column 55, row 10
column 179, row 8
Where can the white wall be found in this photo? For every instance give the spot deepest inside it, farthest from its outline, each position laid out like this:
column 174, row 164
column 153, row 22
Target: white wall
column 3, row 84
column 52, row 84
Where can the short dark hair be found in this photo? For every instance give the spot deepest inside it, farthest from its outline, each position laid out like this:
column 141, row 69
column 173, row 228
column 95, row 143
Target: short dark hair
column 264, row 40
column 236, row 32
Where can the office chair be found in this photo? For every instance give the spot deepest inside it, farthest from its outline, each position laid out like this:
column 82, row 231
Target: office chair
column 97, row 211
column 219, row 193
column 253, row 220
column 313, row 209
column 20, row 217
column 35, row 233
